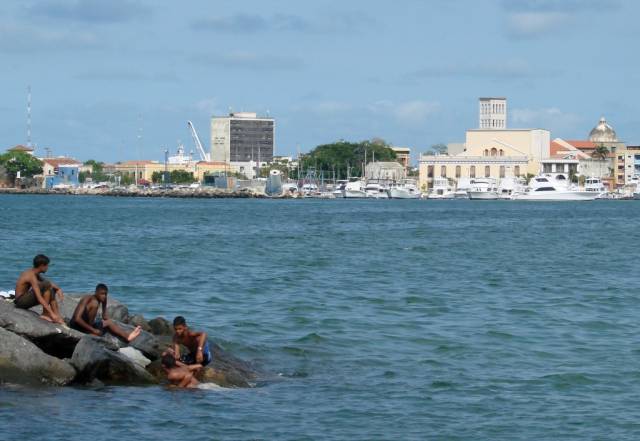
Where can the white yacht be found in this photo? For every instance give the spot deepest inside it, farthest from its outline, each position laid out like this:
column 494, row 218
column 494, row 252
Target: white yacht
column 375, row 190
column 405, row 189
column 596, row 185
column 553, row 187
column 483, row 189
column 340, row 186
column 509, row 186
column 355, row 189
column 462, row 188
column 441, row 189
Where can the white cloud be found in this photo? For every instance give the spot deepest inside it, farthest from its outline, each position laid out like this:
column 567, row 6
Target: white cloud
column 531, row 24
column 14, row 38
column 550, row 118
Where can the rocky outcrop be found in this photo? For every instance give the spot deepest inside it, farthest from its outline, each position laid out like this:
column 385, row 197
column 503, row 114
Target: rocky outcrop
column 37, row 351
column 54, row 339
column 97, row 358
column 22, row 362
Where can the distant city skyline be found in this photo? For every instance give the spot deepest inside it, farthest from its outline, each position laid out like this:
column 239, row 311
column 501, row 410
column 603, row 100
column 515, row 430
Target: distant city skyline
column 100, row 71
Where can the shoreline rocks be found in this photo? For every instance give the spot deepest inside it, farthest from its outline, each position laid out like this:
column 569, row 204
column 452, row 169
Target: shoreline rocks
column 34, row 351
column 200, row 192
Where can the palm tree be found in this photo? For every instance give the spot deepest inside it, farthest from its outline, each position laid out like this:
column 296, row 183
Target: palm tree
column 601, row 152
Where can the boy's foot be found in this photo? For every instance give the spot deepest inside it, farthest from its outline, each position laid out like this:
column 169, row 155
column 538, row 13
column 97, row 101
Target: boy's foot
column 46, row 317
column 136, row 332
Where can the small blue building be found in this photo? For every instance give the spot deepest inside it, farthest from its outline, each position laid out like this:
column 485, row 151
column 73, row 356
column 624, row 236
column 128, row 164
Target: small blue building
column 63, row 174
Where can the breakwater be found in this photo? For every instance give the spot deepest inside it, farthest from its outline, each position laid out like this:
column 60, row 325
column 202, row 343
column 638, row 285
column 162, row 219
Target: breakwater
column 201, row 192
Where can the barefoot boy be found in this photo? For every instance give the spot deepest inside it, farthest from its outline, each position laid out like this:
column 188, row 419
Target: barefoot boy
column 32, row 289
column 179, row 374
column 84, row 317
column 195, row 341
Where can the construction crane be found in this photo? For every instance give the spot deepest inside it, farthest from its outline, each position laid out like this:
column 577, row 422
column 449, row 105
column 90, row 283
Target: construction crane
column 196, row 139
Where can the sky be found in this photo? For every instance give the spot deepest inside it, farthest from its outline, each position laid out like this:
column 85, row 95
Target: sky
column 117, row 80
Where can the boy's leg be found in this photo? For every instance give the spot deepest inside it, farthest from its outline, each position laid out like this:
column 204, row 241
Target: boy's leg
column 119, row 332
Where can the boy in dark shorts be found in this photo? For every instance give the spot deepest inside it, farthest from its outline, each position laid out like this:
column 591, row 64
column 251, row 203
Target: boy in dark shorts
column 84, row 317
column 33, row 289
column 196, row 342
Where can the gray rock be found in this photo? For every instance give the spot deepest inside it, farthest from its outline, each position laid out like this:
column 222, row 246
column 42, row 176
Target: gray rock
column 138, row 320
column 54, row 339
column 97, row 358
column 160, row 326
column 227, row 370
column 135, row 355
column 22, row 362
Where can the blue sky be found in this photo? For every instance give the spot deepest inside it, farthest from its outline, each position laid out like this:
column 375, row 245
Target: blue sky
column 408, row 71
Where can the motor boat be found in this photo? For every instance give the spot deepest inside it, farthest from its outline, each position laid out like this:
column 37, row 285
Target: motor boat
column 596, row 185
column 355, row 189
column 553, row 187
column 509, row 186
column 338, row 191
column 441, row 189
column 405, row 189
column 376, row 190
column 483, row 189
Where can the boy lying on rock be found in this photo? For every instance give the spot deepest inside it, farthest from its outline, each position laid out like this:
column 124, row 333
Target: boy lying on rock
column 33, row 289
column 84, row 317
column 195, row 341
column 178, row 373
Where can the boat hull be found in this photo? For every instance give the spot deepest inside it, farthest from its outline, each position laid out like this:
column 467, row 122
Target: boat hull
column 557, row 196
column 401, row 193
column 483, row 195
column 355, row 194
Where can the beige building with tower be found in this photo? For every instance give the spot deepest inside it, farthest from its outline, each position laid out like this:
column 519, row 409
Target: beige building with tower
column 491, row 154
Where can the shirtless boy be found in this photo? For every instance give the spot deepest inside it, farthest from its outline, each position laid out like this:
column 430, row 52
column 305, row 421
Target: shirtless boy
column 179, row 374
column 195, row 341
column 32, row 289
column 84, row 317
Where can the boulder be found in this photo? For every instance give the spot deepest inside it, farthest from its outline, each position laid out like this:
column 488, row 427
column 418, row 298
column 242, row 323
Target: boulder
column 150, row 345
column 97, row 358
column 54, row 339
column 227, row 370
column 160, row 326
column 23, row 362
column 138, row 320
column 135, row 355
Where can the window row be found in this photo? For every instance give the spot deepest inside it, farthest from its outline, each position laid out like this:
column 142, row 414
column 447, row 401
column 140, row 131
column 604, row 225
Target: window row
column 472, row 171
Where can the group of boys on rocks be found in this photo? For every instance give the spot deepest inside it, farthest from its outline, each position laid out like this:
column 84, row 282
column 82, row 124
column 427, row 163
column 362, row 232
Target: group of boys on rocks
column 33, row 289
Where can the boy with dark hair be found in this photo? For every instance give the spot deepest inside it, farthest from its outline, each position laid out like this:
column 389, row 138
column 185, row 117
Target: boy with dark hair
column 179, row 374
column 33, row 289
column 195, row 341
column 84, row 317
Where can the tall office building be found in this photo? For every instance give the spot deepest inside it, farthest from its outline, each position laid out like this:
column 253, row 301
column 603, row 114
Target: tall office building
column 242, row 137
column 493, row 113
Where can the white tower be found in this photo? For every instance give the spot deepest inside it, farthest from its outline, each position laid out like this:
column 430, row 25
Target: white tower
column 493, row 113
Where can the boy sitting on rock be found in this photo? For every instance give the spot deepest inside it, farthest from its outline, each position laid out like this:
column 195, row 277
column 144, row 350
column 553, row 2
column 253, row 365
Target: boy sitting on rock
column 195, row 341
column 84, row 317
column 179, row 374
column 32, row 289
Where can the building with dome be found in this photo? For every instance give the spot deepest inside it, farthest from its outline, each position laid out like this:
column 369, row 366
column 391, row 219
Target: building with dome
column 603, row 133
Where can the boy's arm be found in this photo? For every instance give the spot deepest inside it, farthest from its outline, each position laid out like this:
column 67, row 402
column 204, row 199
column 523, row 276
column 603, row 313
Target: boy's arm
column 104, row 311
column 202, row 339
column 186, row 380
column 35, row 285
column 176, row 348
column 58, row 290
column 194, row 367
column 77, row 317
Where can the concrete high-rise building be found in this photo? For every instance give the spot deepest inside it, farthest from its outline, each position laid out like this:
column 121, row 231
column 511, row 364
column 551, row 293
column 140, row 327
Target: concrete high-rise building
column 242, row 137
column 493, row 113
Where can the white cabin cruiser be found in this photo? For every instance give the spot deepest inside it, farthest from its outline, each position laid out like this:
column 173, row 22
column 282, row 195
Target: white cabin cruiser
column 509, row 186
column 483, row 189
column 596, row 185
column 553, row 187
column 441, row 189
column 355, row 189
column 405, row 189
column 376, row 190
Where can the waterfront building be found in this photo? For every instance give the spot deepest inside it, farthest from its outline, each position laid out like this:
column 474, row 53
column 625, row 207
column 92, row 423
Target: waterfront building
column 403, row 156
column 489, row 154
column 21, row 148
column 143, row 170
column 60, row 171
column 242, row 137
column 387, row 171
column 493, row 113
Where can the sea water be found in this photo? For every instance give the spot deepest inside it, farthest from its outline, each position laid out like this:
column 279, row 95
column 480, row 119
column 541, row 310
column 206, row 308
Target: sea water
column 456, row 320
